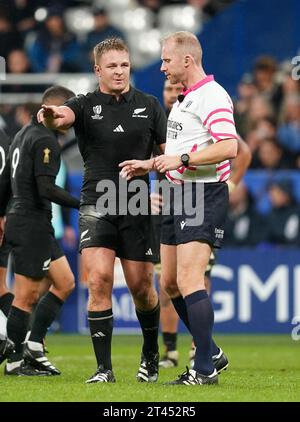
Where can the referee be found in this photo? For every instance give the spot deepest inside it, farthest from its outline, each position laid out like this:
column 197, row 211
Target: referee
column 201, row 139
column 115, row 123
column 34, row 161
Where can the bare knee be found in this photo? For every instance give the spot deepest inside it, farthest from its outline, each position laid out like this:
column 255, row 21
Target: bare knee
column 170, row 287
column 144, row 293
column 100, row 290
column 26, row 299
column 164, row 298
column 64, row 287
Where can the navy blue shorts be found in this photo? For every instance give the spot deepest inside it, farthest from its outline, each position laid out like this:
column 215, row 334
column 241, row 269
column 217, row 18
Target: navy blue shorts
column 210, row 201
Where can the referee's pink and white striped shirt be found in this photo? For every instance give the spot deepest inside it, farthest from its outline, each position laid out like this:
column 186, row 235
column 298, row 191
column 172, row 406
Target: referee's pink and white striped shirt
column 204, row 117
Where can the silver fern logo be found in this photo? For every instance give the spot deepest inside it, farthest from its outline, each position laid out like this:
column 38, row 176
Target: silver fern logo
column 137, row 113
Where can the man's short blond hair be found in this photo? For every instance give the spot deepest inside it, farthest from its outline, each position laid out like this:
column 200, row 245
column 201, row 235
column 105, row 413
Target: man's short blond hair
column 108, row 45
column 187, row 43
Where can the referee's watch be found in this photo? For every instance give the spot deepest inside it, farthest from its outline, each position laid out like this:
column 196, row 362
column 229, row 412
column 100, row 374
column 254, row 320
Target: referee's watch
column 185, row 158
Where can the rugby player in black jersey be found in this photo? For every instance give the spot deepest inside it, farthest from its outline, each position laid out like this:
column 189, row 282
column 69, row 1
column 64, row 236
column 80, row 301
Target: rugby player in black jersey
column 113, row 123
column 6, row 297
column 34, row 161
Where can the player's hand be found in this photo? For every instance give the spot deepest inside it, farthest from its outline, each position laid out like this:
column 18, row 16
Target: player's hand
column 164, row 163
column 132, row 168
column 49, row 113
column 156, row 203
column 231, row 185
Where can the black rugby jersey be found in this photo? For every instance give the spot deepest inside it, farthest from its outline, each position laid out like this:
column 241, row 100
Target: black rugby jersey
column 34, row 152
column 4, row 147
column 111, row 131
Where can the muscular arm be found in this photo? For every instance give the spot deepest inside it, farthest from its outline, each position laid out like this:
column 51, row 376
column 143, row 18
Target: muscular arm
column 212, row 154
column 56, row 117
column 49, row 190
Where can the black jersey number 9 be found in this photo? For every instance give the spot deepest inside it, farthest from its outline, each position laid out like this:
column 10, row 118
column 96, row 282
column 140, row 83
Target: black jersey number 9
column 15, row 161
column 2, row 158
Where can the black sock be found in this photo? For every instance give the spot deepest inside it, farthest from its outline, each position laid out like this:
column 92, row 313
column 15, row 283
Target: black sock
column 17, row 323
column 201, row 317
column 5, row 303
column 180, row 307
column 32, row 316
column 149, row 321
column 46, row 311
column 170, row 341
column 101, row 328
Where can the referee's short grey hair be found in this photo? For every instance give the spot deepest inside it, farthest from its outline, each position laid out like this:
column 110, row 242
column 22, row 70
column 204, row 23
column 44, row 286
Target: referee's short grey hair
column 108, row 45
column 187, row 43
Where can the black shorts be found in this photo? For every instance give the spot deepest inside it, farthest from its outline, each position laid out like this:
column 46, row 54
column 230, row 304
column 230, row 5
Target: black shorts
column 211, row 202
column 4, row 253
column 130, row 236
column 33, row 245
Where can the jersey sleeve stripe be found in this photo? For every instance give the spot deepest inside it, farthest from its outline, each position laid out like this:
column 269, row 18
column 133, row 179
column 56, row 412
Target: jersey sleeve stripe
column 221, row 120
column 219, row 168
column 223, row 136
column 223, row 176
column 217, row 110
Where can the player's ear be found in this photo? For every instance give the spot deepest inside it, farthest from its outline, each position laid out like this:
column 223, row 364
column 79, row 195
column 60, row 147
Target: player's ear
column 187, row 60
column 97, row 69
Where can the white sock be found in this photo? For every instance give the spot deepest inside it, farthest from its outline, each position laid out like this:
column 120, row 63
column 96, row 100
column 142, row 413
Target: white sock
column 35, row 346
column 3, row 324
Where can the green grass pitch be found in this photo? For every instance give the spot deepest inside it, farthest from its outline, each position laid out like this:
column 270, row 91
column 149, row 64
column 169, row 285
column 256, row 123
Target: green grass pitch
column 262, row 368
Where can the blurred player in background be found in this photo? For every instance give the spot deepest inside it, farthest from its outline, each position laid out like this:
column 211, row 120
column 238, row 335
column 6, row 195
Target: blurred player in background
column 6, row 297
column 34, row 161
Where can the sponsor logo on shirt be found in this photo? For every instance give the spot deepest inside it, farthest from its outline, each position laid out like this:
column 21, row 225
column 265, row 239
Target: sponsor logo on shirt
column 97, row 110
column 219, row 233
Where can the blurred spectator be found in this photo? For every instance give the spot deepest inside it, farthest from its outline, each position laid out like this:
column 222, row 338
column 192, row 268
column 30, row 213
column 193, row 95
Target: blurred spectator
column 23, row 14
column 153, row 5
column 290, row 85
column 102, row 30
column 55, row 49
column 263, row 128
column 9, row 38
column 246, row 92
column 18, row 64
column 283, row 221
column 265, row 80
column 244, row 226
column 260, row 108
column 271, row 156
column 289, row 129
